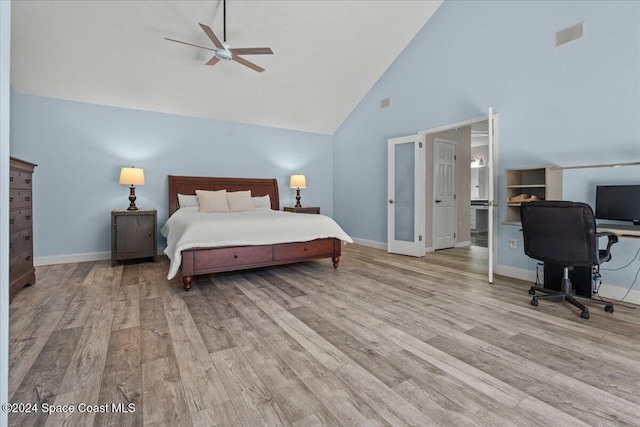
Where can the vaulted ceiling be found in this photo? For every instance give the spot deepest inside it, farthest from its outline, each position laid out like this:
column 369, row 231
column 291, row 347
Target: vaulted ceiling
column 327, row 55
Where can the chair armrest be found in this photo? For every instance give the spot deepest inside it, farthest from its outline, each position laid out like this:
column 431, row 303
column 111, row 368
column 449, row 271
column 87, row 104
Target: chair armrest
column 613, row 238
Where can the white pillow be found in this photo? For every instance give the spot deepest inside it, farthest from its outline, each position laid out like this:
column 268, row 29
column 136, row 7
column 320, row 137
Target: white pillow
column 189, row 209
column 212, row 201
column 185, row 200
column 240, row 201
column 263, row 202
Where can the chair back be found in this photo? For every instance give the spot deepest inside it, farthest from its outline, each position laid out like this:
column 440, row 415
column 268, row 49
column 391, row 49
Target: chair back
column 560, row 232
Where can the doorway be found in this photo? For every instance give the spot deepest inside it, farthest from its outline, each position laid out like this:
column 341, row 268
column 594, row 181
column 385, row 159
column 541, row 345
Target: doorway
column 422, row 202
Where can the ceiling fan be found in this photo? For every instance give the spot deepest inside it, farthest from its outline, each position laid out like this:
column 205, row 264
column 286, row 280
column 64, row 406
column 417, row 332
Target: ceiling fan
column 223, row 50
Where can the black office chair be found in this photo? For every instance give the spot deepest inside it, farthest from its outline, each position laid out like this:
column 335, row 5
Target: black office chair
column 564, row 233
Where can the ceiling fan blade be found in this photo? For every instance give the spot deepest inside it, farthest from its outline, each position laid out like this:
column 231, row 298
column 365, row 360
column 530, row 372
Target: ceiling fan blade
column 212, row 36
column 212, row 61
column 191, row 44
column 252, row 51
column 247, row 63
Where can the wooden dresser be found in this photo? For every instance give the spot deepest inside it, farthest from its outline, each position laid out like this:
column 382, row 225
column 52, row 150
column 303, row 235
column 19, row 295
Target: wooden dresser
column 21, row 270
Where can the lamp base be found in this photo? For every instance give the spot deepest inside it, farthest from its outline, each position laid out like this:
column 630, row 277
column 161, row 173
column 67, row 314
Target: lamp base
column 298, row 205
column 132, row 199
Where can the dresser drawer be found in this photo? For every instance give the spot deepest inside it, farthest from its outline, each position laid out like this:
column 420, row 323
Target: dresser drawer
column 19, row 219
column 19, row 198
column 315, row 248
column 20, row 241
column 18, row 179
column 20, row 263
column 228, row 257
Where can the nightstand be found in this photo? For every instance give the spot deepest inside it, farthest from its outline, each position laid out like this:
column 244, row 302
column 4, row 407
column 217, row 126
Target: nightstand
column 303, row 209
column 133, row 234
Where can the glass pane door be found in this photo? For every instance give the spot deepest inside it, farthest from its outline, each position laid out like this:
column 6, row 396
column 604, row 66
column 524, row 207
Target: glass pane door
column 405, row 224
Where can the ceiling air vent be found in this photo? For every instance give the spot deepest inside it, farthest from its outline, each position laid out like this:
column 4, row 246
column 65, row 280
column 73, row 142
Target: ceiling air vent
column 570, row 34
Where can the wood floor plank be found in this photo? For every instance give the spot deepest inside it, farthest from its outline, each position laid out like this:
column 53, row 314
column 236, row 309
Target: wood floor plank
column 201, row 381
column 278, row 377
column 127, row 308
column 155, row 339
column 163, row 399
column 122, row 380
column 251, row 399
column 43, row 380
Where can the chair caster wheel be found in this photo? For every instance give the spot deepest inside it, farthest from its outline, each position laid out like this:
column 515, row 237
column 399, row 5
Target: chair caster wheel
column 532, row 292
column 584, row 314
column 534, row 302
column 608, row 308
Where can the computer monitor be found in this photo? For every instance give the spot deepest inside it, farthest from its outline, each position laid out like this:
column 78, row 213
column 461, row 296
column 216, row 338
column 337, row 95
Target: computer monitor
column 618, row 202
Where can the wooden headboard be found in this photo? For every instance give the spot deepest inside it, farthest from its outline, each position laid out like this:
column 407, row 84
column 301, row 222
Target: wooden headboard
column 189, row 185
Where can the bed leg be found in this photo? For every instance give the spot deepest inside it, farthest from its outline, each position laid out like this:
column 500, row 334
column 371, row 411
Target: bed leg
column 336, row 260
column 186, row 281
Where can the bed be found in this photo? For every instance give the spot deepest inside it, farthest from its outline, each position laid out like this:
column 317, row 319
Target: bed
column 205, row 260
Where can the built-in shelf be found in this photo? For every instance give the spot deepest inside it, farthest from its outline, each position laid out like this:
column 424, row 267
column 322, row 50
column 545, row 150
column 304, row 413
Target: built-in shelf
column 545, row 183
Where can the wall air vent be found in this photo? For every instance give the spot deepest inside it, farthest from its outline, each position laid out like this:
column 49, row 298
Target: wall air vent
column 385, row 103
column 570, row 34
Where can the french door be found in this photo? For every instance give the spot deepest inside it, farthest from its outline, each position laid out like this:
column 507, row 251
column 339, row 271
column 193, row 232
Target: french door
column 406, row 206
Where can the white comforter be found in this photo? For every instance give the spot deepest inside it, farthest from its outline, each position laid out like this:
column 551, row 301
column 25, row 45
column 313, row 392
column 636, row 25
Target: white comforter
column 187, row 229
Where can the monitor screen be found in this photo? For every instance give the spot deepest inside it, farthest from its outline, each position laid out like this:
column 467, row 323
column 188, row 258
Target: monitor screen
column 618, row 202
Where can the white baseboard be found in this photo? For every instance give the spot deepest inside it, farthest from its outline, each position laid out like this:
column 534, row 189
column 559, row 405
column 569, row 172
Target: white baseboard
column 605, row 291
column 462, row 244
column 73, row 258
column 517, row 273
column 370, row 243
column 69, row 259
column 618, row 292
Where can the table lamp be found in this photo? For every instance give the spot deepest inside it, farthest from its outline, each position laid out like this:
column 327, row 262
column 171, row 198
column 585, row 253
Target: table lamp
column 298, row 182
column 132, row 176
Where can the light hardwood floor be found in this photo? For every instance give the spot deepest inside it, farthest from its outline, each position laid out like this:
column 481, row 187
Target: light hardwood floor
column 383, row 340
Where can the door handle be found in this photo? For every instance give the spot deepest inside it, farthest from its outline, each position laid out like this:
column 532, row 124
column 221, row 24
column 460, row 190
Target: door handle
column 438, row 201
column 390, row 200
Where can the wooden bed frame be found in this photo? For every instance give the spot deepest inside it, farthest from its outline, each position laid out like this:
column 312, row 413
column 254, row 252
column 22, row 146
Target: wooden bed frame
column 197, row 261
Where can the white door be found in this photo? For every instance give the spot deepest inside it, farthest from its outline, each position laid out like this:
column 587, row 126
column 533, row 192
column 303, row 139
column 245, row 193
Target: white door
column 405, row 207
column 444, row 193
column 491, row 201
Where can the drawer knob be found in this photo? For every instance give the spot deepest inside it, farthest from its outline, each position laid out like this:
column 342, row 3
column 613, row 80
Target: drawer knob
column 28, row 217
column 10, row 199
column 10, row 268
column 235, row 256
column 149, row 233
column 11, row 179
column 305, row 249
column 27, row 258
column 27, row 181
column 10, row 245
column 27, row 199
column 27, row 237
column 12, row 220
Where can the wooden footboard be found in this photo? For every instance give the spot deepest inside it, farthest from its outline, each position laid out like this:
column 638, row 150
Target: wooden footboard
column 198, row 261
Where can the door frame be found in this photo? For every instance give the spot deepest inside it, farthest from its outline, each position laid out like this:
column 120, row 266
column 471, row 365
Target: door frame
column 493, row 179
column 455, row 200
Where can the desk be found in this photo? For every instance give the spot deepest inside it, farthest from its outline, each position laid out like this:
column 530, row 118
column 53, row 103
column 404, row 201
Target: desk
column 621, row 233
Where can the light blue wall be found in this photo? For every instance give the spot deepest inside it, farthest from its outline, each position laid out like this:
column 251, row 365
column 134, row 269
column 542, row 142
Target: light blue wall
column 578, row 104
column 80, row 148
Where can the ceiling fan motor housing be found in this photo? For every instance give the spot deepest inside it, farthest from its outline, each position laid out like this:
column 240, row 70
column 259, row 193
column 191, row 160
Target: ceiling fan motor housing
column 224, row 53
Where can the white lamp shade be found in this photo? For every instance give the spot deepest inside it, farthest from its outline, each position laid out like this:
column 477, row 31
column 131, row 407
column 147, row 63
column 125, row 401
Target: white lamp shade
column 298, row 181
column 132, row 176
